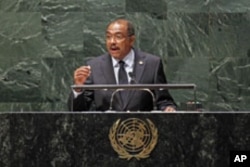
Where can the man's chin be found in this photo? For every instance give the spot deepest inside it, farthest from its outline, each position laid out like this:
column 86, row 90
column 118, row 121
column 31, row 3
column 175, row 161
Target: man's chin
column 115, row 55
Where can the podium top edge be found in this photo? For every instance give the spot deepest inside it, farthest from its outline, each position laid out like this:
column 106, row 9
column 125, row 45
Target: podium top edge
column 122, row 112
column 135, row 86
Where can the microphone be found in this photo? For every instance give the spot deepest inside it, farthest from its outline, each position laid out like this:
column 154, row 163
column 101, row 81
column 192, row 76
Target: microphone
column 133, row 81
column 132, row 78
column 112, row 98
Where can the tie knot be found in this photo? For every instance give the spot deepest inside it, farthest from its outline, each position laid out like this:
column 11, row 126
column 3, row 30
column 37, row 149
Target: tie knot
column 122, row 63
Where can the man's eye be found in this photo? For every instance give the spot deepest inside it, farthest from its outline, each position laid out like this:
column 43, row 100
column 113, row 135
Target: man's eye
column 119, row 36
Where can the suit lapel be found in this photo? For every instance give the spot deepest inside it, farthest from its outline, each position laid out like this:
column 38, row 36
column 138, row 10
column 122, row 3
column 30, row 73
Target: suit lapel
column 108, row 70
column 139, row 66
column 138, row 70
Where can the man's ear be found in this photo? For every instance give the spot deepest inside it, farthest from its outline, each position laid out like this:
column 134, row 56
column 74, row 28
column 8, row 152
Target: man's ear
column 132, row 40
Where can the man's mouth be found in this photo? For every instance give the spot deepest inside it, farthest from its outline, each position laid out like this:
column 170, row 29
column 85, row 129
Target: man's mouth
column 114, row 48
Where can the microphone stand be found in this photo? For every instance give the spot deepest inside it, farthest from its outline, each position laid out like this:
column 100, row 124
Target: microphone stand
column 112, row 98
column 143, row 89
column 153, row 98
column 134, row 81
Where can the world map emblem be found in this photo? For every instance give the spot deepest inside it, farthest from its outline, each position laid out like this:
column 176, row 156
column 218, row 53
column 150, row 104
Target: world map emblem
column 133, row 137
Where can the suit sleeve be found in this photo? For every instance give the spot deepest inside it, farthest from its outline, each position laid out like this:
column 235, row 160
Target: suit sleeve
column 163, row 97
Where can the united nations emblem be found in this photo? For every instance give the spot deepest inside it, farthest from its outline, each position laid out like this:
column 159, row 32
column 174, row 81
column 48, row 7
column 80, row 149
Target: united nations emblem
column 133, row 138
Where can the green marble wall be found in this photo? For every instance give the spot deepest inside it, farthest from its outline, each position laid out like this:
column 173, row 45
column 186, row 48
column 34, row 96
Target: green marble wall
column 202, row 42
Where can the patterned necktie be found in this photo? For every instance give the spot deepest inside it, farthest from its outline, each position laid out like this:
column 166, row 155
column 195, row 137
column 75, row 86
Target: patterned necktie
column 123, row 79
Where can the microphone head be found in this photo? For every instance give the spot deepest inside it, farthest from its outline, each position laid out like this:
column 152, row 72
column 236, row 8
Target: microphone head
column 131, row 74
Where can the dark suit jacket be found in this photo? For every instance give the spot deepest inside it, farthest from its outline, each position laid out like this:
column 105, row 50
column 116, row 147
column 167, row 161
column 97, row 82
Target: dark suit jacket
column 148, row 69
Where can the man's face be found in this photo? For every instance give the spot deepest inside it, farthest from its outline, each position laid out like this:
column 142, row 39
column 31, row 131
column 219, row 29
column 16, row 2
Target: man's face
column 118, row 42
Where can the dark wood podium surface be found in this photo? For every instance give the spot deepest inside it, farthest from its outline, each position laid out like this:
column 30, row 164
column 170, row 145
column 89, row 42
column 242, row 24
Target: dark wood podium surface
column 81, row 139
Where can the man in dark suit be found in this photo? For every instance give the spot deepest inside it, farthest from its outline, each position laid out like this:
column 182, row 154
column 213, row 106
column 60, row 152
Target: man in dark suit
column 121, row 65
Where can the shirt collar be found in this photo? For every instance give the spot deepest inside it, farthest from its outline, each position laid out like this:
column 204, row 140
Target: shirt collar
column 128, row 59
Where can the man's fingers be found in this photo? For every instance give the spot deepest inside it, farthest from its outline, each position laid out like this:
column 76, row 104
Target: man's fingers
column 170, row 109
column 83, row 71
column 81, row 74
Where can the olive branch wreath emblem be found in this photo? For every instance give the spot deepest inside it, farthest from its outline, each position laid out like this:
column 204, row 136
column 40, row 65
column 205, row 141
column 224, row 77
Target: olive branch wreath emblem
column 123, row 153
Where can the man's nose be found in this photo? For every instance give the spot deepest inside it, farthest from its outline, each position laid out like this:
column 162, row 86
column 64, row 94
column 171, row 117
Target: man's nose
column 112, row 40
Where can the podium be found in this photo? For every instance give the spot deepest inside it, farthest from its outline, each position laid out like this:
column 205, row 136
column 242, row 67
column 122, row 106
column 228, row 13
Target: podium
column 81, row 139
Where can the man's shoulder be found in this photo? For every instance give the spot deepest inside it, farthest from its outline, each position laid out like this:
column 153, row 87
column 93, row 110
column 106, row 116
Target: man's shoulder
column 147, row 55
column 100, row 58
